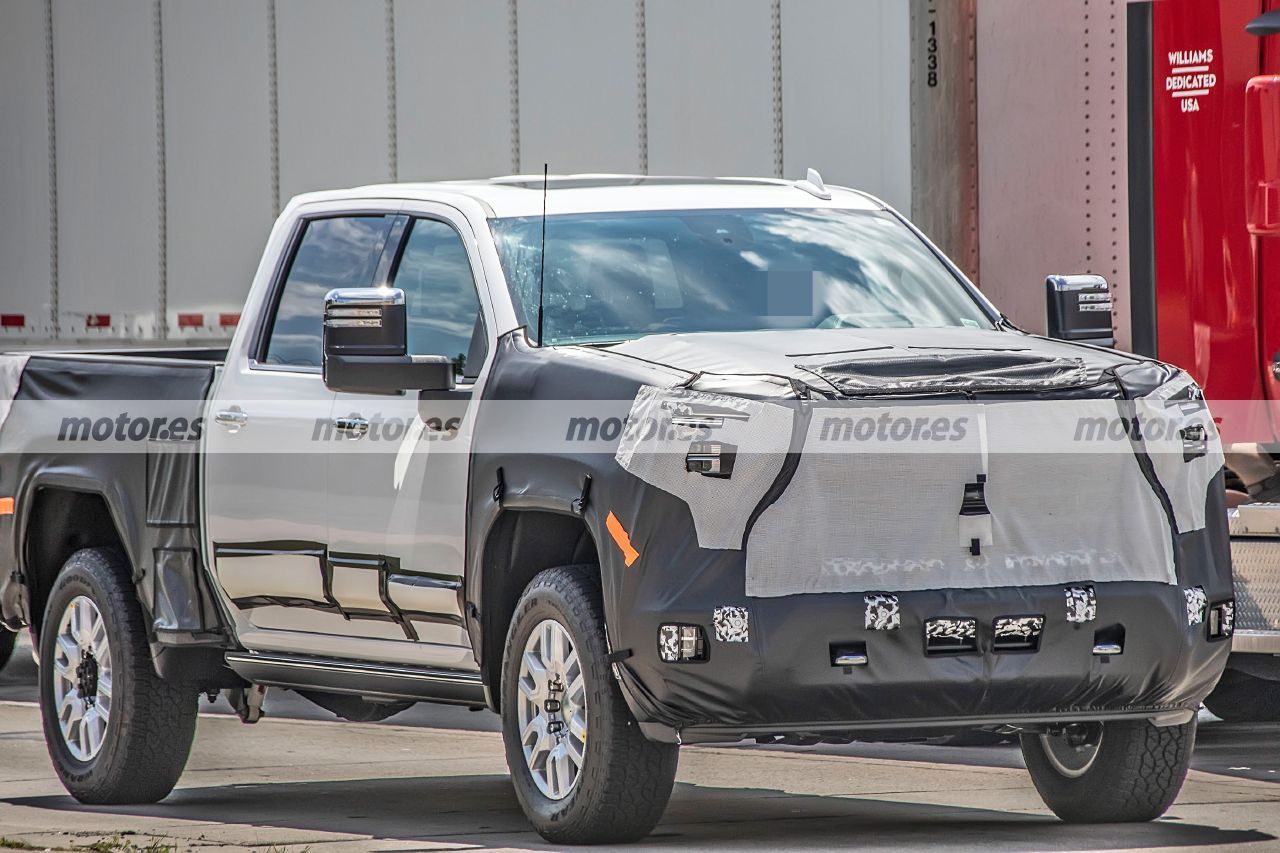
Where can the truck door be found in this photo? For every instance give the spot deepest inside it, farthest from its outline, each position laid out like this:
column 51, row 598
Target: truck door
column 398, row 481
column 266, row 463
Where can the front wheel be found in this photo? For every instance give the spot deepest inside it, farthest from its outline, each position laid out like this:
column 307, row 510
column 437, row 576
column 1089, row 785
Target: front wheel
column 1115, row 772
column 116, row 732
column 583, row 772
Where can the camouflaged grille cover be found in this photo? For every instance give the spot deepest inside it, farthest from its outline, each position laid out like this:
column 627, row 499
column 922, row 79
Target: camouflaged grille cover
column 853, row 520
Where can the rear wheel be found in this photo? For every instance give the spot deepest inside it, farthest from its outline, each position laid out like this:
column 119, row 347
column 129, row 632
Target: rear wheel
column 1243, row 698
column 8, row 640
column 1116, row 772
column 116, row 732
column 556, row 688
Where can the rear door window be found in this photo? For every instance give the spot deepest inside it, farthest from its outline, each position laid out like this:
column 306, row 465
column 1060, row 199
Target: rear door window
column 339, row 251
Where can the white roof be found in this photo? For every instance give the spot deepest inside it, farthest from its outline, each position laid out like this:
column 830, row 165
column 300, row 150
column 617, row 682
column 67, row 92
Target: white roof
column 521, row 195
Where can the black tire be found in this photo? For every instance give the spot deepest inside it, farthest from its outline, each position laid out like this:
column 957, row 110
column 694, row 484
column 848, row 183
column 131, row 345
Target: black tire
column 1135, row 775
column 8, row 640
column 151, row 722
column 1244, row 698
column 625, row 780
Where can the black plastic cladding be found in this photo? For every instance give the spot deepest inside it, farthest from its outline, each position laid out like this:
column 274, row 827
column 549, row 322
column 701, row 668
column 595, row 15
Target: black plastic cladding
column 152, row 495
column 781, row 679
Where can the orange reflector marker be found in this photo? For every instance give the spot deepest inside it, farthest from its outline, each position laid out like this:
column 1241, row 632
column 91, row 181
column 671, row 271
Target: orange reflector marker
column 623, row 541
column 6, row 508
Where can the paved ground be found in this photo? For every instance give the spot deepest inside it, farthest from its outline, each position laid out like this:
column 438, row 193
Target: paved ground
column 434, row 779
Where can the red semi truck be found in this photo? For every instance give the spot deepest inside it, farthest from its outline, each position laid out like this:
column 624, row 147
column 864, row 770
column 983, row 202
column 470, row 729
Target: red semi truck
column 1204, row 294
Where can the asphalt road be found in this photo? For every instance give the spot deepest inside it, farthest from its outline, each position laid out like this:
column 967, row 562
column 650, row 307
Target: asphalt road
column 433, row 778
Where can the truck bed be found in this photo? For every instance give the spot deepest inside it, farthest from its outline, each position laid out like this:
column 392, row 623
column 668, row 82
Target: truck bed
column 115, row 432
column 203, row 355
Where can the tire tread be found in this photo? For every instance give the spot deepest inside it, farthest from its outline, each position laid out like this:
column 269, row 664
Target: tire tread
column 1137, row 775
column 157, row 718
column 623, row 799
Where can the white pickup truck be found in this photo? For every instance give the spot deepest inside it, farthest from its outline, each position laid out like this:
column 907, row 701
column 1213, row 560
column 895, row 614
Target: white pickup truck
column 635, row 462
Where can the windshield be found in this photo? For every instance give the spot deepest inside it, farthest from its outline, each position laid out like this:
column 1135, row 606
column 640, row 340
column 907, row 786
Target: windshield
column 617, row 276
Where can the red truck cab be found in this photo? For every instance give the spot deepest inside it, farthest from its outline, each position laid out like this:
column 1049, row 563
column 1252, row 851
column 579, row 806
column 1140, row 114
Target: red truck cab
column 1204, row 195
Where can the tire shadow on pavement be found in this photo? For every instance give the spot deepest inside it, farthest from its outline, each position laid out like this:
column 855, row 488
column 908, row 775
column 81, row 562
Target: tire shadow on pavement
column 482, row 811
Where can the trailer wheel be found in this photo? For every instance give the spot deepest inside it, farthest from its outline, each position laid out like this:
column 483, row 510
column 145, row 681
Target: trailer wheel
column 1115, row 772
column 556, row 687
column 8, row 640
column 1244, row 698
column 116, row 732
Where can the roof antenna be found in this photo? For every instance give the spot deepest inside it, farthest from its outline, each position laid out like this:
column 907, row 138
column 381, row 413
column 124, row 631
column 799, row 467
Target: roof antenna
column 813, row 185
column 542, row 254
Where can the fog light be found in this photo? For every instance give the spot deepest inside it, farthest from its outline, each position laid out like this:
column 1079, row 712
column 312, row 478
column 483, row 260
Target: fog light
column 849, row 654
column 1222, row 620
column 681, row 643
column 1108, row 641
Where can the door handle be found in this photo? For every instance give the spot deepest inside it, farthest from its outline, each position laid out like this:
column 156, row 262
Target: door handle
column 353, row 427
column 1275, row 366
column 232, row 419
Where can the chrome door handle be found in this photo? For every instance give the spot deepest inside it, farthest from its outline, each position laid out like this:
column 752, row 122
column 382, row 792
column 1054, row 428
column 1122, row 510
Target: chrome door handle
column 233, row 419
column 352, row 427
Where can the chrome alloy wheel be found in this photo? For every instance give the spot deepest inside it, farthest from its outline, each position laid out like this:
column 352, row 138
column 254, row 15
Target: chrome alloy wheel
column 82, row 678
column 552, row 710
column 1073, row 752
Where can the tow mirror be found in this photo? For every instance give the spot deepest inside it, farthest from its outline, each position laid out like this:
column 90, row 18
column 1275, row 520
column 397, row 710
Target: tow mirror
column 1266, row 24
column 366, row 345
column 1262, row 155
column 1079, row 309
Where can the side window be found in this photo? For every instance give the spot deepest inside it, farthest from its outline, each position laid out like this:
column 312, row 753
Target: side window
column 440, row 296
column 337, row 252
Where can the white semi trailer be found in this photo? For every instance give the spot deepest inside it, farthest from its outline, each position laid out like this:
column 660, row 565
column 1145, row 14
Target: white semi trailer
column 147, row 145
